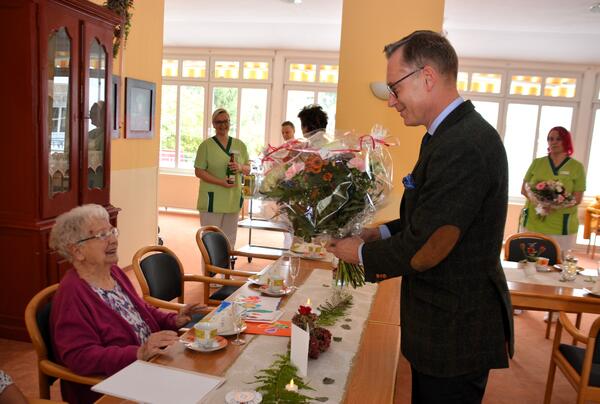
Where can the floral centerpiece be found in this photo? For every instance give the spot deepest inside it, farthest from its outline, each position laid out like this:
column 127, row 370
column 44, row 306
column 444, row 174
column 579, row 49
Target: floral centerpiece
column 320, row 338
column 548, row 196
column 329, row 187
column 530, row 252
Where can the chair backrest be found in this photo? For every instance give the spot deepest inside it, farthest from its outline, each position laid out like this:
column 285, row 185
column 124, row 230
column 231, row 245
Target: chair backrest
column 37, row 322
column 159, row 272
column 513, row 247
column 214, row 246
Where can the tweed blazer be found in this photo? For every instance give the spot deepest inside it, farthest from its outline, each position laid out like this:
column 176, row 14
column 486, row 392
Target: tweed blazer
column 456, row 317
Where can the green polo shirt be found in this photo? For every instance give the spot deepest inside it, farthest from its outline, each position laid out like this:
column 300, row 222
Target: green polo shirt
column 563, row 221
column 213, row 157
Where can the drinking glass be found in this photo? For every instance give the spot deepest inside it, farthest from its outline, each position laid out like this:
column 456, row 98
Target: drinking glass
column 237, row 309
column 294, row 270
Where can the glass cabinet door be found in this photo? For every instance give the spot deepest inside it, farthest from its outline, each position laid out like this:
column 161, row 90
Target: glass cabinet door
column 59, row 112
column 96, row 130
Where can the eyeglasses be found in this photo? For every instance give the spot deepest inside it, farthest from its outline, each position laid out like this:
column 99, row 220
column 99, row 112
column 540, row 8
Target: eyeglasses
column 390, row 87
column 104, row 235
column 225, row 122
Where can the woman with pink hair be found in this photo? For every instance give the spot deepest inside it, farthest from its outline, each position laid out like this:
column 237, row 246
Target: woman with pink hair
column 559, row 223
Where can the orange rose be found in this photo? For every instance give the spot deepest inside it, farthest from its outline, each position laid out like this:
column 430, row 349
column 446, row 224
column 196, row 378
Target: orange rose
column 327, row 176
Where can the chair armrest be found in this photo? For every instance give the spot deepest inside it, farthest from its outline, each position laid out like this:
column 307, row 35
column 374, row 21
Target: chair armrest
column 163, row 304
column 208, row 279
column 571, row 329
column 232, row 272
column 53, row 369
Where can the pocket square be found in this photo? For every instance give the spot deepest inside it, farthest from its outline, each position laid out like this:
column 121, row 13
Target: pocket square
column 408, row 182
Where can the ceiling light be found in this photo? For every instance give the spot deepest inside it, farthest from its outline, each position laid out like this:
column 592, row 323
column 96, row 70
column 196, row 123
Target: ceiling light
column 294, row 1
column 595, row 8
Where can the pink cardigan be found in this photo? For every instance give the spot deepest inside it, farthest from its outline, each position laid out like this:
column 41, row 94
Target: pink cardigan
column 92, row 339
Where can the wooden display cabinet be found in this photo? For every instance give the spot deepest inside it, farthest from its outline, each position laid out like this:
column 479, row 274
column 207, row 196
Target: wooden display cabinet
column 55, row 78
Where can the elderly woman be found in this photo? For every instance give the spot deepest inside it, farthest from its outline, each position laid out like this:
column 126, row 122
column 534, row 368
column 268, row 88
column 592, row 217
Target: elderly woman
column 99, row 325
column 220, row 201
column 561, row 224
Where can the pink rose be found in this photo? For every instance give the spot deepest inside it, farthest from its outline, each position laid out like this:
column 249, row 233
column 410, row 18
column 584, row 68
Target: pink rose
column 357, row 163
column 560, row 198
column 540, row 186
column 293, row 170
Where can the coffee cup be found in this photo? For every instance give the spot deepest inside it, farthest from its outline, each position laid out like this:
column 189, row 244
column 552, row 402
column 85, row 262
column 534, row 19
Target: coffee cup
column 275, row 284
column 205, row 333
column 543, row 261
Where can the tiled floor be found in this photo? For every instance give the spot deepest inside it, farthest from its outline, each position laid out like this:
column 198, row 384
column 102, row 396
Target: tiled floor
column 523, row 382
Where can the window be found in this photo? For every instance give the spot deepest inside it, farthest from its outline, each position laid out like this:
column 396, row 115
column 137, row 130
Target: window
column 523, row 107
column 193, row 88
column 311, row 83
column 593, row 166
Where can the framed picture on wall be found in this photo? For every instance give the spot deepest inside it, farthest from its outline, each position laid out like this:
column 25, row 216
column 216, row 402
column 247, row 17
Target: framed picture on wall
column 140, row 98
column 114, row 115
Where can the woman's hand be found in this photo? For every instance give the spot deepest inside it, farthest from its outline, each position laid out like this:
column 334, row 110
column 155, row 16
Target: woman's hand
column 235, row 166
column 156, row 343
column 185, row 314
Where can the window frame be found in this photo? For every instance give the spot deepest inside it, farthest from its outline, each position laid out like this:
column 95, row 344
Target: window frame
column 209, row 82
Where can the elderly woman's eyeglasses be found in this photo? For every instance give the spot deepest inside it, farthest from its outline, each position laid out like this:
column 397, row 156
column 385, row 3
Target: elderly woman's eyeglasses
column 390, row 87
column 223, row 122
column 104, row 235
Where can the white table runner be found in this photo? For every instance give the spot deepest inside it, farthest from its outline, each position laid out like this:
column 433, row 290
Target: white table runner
column 335, row 363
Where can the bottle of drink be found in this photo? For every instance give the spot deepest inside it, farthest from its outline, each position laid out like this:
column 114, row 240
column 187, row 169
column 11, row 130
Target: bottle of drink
column 229, row 173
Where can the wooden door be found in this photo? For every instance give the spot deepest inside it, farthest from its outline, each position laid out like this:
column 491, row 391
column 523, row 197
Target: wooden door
column 59, row 44
column 96, row 65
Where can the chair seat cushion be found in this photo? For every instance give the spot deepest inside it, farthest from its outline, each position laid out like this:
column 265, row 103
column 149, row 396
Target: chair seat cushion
column 574, row 355
column 195, row 318
column 224, row 292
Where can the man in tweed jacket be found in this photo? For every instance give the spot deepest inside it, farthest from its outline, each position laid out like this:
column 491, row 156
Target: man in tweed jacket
column 456, row 320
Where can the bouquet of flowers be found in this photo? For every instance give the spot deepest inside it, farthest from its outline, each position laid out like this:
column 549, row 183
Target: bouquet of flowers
column 329, row 187
column 548, row 196
column 530, row 252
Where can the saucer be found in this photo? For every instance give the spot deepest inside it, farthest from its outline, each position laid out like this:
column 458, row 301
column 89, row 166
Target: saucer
column 190, row 343
column 268, row 292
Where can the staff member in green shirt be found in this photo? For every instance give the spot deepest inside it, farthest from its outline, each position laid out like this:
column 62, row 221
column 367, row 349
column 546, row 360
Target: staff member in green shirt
column 219, row 202
column 560, row 224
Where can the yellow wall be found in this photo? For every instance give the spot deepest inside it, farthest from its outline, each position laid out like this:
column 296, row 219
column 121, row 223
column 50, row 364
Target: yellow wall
column 134, row 163
column 367, row 26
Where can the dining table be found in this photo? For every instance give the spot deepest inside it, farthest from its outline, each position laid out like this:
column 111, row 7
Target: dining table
column 371, row 376
column 545, row 291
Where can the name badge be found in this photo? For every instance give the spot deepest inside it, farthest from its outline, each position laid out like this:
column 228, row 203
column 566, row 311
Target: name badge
column 564, row 172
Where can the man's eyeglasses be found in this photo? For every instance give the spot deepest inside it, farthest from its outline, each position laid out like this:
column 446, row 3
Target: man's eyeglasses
column 390, row 87
column 104, row 235
column 225, row 122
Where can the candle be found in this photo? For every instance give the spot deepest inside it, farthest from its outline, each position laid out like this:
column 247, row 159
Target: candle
column 291, row 386
column 308, row 302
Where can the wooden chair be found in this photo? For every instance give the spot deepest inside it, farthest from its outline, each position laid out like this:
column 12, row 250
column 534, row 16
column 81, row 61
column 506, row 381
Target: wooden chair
column 581, row 366
column 162, row 279
column 216, row 252
column 513, row 252
column 37, row 321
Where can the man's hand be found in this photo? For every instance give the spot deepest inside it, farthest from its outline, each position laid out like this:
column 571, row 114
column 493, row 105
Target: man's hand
column 185, row 314
column 370, row 234
column 155, row 343
column 345, row 249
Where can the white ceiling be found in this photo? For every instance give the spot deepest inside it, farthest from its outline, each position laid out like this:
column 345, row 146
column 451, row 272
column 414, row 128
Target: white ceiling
column 537, row 30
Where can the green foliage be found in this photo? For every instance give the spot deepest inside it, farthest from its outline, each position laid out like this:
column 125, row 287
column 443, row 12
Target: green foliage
column 332, row 311
column 350, row 274
column 123, row 8
column 274, row 378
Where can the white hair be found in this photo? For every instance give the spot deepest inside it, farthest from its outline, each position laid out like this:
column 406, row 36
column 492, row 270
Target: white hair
column 72, row 226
